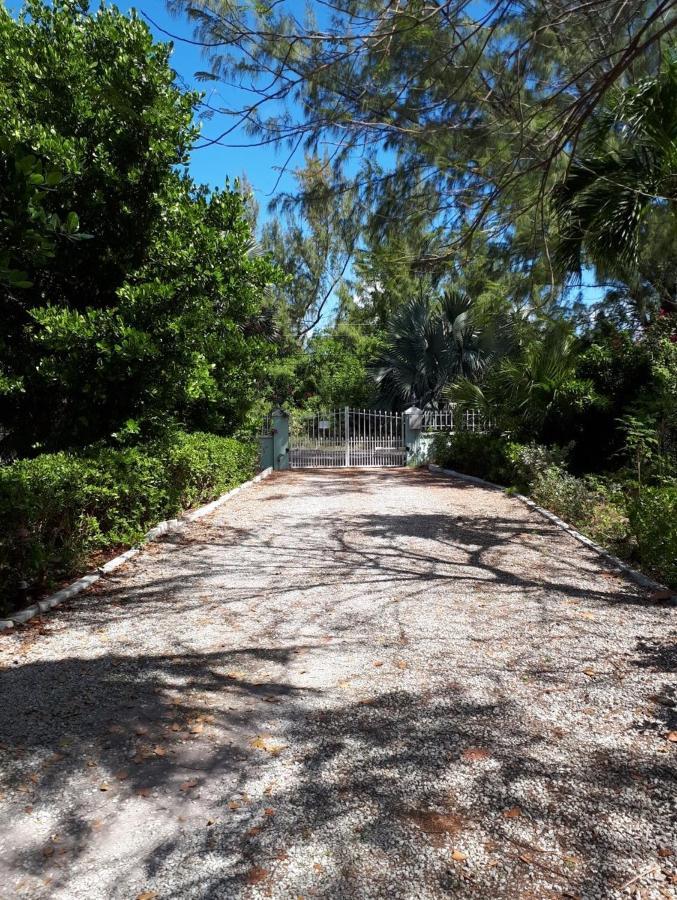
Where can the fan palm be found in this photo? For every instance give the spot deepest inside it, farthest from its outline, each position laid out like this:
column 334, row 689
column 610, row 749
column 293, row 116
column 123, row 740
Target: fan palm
column 627, row 166
column 430, row 342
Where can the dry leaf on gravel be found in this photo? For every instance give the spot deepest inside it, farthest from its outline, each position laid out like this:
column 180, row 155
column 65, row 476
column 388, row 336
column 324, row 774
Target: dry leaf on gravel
column 122, row 775
column 474, row 754
column 671, row 736
column 197, row 728
column 458, row 856
column 256, row 875
column 104, row 787
column 513, row 813
column 188, row 785
column 378, row 663
column 147, row 895
column 143, row 792
column 267, row 743
column 159, row 751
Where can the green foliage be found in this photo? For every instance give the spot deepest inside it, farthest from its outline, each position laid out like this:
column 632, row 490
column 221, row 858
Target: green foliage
column 58, row 508
column 592, row 505
column 430, row 341
column 653, row 520
column 332, row 370
column 158, row 312
column 495, row 457
column 312, row 243
column 481, row 455
column 626, row 165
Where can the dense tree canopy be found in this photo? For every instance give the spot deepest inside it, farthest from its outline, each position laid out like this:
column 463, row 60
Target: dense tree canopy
column 131, row 296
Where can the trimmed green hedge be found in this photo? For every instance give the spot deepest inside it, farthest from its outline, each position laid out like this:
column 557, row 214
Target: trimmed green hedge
column 58, row 508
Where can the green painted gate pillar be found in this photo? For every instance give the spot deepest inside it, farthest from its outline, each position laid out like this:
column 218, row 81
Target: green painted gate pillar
column 413, row 425
column 280, row 432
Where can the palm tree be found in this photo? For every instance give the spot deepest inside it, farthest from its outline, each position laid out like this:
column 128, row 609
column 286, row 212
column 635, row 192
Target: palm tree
column 431, row 341
column 628, row 165
column 524, row 385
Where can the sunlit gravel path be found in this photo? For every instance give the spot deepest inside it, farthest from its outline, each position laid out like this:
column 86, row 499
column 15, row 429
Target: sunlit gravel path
column 345, row 684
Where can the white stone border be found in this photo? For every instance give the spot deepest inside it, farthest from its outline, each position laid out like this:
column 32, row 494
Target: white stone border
column 639, row 578
column 162, row 528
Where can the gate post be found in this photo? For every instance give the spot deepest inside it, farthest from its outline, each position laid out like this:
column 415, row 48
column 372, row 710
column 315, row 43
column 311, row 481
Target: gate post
column 413, row 425
column 280, row 431
column 346, row 414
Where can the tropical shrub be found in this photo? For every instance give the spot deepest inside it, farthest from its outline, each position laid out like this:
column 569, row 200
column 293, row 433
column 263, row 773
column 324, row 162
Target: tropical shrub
column 495, row 457
column 130, row 297
column 653, row 521
column 481, row 455
column 57, row 508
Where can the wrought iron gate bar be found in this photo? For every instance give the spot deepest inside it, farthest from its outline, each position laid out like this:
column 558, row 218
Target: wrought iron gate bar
column 347, row 437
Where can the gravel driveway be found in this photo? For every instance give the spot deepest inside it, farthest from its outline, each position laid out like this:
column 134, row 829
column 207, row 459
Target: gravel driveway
column 345, row 684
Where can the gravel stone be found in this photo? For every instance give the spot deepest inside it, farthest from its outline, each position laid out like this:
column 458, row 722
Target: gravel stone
column 345, row 684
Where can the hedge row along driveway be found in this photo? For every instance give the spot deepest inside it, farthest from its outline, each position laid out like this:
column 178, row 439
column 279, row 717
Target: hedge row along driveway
column 345, row 684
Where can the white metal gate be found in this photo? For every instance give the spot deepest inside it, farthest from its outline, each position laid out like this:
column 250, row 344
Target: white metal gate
column 347, row 437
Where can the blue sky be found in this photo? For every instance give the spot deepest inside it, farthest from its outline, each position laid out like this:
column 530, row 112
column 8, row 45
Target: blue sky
column 212, row 165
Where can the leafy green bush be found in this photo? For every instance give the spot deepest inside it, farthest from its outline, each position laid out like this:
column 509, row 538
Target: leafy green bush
column 590, row 504
column 58, row 508
column 653, row 520
column 482, row 455
column 563, row 494
column 495, row 457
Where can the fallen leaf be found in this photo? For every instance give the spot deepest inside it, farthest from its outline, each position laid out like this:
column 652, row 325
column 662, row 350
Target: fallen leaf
column 91, row 763
column 48, row 851
column 29, row 810
column 269, row 811
column 175, row 726
column 318, row 867
column 253, row 831
column 379, row 662
column 671, row 736
column 159, row 751
column 122, row 775
column 589, row 672
column 257, row 874
column 458, row 856
column 401, row 664
column 473, row 754
column 188, row 785
column 267, row 743
column 197, row 728
column 147, row 895
column 233, row 804
column 143, row 792
column 664, row 851
column 513, row 813
column 104, row 787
